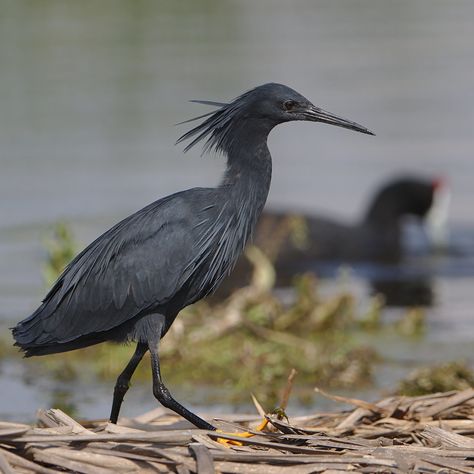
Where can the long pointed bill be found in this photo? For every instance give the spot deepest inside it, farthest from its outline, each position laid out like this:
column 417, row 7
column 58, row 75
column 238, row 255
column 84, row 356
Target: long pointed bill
column 315, row 114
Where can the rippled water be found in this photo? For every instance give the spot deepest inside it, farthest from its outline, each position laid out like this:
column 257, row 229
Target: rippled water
column 90, row 93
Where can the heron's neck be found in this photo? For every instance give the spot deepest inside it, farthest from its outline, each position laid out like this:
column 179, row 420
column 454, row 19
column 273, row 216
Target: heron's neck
column 249, row 167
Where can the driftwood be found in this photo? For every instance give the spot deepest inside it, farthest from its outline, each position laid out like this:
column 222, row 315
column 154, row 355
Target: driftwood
column 429, row 434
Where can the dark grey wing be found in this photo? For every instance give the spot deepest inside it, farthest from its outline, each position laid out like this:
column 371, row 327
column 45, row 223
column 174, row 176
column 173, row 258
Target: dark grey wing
column 138, row 264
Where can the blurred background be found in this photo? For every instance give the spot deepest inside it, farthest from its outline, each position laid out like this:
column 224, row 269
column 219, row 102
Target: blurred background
column 90, row 93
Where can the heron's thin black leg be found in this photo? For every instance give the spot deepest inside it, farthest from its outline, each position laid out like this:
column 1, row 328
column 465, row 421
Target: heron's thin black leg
column 123, row 380
column 163, row 395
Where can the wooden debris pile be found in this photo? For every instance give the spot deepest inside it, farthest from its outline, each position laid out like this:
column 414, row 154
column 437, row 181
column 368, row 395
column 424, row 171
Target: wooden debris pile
column 429, row 434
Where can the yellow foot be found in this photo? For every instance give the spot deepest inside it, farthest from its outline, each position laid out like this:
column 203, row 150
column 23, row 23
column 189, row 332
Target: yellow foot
column 242, row 434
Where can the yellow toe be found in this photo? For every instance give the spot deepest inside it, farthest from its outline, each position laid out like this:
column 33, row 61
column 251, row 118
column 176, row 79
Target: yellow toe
column 242, row 434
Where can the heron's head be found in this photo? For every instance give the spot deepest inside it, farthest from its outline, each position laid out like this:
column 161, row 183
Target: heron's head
column 279, row 103
column 261, row 108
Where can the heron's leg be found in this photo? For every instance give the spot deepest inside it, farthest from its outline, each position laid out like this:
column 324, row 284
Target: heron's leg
column 123, row 380
column 163, row 395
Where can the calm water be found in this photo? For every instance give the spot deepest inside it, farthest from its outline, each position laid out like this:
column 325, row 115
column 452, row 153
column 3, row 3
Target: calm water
column 90, row 93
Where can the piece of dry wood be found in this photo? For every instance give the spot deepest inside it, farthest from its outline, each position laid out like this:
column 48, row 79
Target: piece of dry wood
column 41, row 455
column 447, row 403
column 238, row 468
column 126, row 455
column 180, row 469
column 12, row 429
column 148, row 451
column 5, row 465
column 157, row 437
column 438, row 436
column 287, row 391
column 55, row 418
column 436, row 464
column 338, row 471
column 204, row 461
column 258, row 405
column 177, row 458
column 118, row 429
column 115, row 463
column 353, row 419
column 25, row 464
column 371, row 407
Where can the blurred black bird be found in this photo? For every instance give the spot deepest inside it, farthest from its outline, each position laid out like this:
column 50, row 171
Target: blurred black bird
column 377, row 237
column 131, row 282
column 296, row 242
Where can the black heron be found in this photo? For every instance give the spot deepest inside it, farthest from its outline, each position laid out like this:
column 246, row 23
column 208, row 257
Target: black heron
column 132, row 281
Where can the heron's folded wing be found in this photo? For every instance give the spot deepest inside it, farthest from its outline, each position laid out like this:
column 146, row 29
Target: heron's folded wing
column 138, row 264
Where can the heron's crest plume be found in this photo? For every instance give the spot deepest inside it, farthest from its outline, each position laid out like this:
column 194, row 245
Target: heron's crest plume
column 216, row 129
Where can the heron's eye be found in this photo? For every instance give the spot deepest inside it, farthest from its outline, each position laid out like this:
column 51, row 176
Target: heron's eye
column 290, row 105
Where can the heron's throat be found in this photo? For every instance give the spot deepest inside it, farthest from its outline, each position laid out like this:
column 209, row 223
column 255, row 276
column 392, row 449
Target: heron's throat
column 249, row 163
column 246, row 183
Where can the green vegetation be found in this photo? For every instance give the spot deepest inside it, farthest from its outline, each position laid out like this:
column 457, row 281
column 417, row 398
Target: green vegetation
column 412, row 323
column 439, row 378
column 61, row 248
